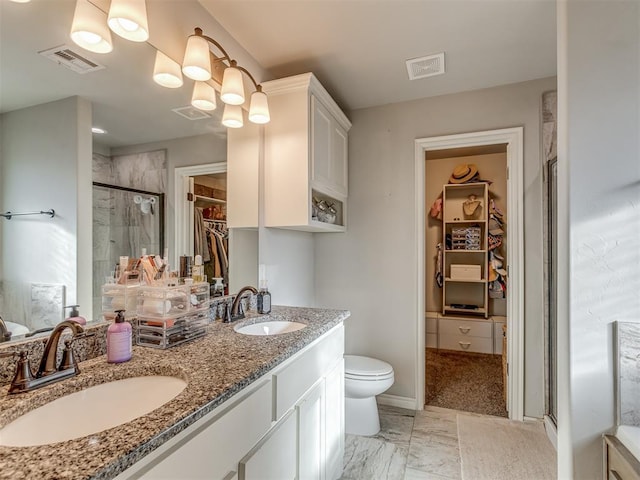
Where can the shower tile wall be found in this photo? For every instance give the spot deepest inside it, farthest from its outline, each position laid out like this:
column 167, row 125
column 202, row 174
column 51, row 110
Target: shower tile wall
column 628, row 335
column 119, row 226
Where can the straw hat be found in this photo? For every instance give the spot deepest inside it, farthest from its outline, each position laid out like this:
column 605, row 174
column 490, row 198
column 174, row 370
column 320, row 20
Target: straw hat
column 463, row 173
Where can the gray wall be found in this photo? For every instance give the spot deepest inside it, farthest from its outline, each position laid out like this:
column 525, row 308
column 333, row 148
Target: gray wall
column 371, row 269
column 46, row 163
column 599, row 211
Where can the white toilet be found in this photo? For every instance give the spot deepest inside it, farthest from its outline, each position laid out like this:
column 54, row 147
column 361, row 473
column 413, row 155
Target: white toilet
column 364, row 378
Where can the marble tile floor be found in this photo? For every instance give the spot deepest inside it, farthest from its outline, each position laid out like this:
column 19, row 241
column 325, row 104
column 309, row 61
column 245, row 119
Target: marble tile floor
column 411, row 445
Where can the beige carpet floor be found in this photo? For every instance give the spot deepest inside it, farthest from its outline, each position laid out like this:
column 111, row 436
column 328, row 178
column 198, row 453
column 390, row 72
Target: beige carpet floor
column 471, row 382
column 497, row 449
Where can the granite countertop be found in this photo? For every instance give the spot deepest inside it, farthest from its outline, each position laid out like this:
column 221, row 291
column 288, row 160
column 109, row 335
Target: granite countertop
column 216, row 367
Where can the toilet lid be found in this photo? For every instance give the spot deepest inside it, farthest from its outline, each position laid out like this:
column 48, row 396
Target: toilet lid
column 357, row 365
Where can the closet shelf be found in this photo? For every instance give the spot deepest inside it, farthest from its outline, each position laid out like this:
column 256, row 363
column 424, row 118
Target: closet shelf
column 466, row 221
column 466, row 251
column 483, row 280
column 449, row 308
column 200, row 198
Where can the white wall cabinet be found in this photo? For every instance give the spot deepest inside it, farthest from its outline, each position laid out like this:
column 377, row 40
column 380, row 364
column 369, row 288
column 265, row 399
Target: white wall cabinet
column 306, row 155
column 288, row 424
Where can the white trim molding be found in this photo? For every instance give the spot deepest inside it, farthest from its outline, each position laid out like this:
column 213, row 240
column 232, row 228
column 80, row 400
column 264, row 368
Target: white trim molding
column 513, row 138
column 183, row 210
column 397, row 401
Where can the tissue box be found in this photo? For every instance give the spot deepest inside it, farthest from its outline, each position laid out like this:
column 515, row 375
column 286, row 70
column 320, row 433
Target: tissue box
column 466, row 272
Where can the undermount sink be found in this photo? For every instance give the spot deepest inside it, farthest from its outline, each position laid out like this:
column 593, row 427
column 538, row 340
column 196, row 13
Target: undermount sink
column 90, row 411
column 273, row 327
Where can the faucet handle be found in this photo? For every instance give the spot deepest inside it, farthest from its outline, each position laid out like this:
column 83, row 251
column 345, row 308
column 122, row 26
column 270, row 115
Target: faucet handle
column 23, row 375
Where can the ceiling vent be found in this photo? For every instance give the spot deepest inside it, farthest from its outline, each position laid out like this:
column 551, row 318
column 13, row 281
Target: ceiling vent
column 191, row 113
column 63, row 55
column 424, row 67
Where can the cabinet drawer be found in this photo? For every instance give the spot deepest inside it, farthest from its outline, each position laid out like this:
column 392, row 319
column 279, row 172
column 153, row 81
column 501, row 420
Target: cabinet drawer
column 432, row 340
column 471, row 328
column 431, row 324
column 292, row 381
column 465, row 343
column 620, row 464
column 211, row 450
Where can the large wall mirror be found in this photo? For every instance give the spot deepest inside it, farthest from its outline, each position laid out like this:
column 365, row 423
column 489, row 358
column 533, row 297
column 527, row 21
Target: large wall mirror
column 113, row 193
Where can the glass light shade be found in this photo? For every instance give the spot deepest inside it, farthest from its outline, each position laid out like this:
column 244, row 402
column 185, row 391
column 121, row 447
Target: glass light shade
column 166, row 72
column 259, row 108
column 232, row 92
column 197, row 63
column 128, row 18
column 204, row 96
column 89, row 30
column 232, row 116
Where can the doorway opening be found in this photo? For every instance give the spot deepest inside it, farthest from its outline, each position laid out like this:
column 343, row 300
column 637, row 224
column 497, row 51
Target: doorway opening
column 466, row 279
column 510, row 143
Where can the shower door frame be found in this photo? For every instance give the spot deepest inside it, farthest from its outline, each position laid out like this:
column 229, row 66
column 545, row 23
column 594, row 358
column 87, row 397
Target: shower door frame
column 143, row 192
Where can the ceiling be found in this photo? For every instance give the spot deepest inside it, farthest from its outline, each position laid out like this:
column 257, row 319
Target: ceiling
column 358, row 48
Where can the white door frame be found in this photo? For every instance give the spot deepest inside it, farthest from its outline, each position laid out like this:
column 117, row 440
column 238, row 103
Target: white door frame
column 513, row 138
column 184, row 209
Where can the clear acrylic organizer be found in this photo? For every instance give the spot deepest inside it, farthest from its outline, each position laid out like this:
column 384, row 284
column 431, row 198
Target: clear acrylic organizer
column 119, row 297
column 168, row 332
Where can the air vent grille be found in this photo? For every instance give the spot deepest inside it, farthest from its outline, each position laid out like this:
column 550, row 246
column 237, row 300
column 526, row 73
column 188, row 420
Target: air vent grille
column 191, row 113
column 424, row 67
column 65, row 56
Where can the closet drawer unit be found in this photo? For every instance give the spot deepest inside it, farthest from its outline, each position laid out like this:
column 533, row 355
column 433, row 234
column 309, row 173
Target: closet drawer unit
column 466, row 328
column 431, row 322
column 497, row 337
column 465, row 343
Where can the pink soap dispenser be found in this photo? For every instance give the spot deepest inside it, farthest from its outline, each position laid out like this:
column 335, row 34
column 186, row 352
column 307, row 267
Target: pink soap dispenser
column 74, row 316
column 119, row 340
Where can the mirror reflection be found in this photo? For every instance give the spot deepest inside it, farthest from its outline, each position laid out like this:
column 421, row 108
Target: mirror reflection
column 112, row 192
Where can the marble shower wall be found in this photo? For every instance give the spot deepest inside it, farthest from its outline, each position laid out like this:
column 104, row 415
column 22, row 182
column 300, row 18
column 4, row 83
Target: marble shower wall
column 628, row 337
column 119, row 226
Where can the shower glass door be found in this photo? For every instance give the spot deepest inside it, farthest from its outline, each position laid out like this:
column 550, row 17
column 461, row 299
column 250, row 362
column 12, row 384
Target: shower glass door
column 552, row 314
column 125, row 221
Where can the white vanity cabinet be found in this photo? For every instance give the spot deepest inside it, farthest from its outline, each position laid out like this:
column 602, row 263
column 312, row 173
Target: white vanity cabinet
column 306, row 155
column 288, row 424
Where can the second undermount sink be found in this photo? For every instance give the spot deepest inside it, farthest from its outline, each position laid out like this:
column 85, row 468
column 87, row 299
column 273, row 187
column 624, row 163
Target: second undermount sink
column 91, row 410
column 273, row 327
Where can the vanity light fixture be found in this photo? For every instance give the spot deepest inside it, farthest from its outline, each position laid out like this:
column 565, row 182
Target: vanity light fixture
column 128, row 18
column 89, row 30
column 197, row 66
column 166, row 72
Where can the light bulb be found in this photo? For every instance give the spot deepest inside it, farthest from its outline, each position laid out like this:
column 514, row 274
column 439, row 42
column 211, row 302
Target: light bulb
column 232, row 116
column 204, row 96
column 232, row 92
column 128, row 18
column 197, row 64
column 88, row 29
column 259, row 108
column 166, row 72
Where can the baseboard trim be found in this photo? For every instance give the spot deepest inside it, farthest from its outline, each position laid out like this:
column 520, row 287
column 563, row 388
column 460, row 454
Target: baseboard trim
column 552, row 432
column 400, row 402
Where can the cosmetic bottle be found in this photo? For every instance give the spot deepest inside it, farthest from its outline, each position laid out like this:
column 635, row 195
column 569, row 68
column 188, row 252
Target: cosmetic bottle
column 264, row 299
column 74, row 316
column 197, row 271
column 119, row 347
column 218, row 288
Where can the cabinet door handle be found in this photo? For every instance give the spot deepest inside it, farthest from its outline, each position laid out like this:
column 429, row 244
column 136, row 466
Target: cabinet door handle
column 465, row 345
column 464, row 330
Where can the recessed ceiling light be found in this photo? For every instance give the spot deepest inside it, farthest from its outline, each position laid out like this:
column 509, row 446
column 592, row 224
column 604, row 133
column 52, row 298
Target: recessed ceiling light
column 98, row 130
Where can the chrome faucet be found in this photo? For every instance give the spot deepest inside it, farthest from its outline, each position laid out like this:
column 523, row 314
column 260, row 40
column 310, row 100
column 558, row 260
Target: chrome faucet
column 237, row 311
column 5, row 334
column 49, row 371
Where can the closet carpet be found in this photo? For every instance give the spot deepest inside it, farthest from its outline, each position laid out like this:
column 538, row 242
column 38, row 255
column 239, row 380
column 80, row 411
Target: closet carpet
column 471, row 382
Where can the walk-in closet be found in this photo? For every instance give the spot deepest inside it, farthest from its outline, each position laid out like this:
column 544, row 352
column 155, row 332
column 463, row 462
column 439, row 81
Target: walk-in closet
column 467, row 281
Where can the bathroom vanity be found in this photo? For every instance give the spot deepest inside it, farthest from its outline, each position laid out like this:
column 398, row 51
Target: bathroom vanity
column 267, row 406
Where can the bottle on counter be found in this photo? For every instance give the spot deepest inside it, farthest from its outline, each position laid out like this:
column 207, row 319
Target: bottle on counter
column 74, row 316
column 119, row 337
column 264, row 299
column 197, row 271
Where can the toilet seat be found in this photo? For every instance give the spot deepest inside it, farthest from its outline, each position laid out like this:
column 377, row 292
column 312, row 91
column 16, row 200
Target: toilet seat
column 365, row 368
